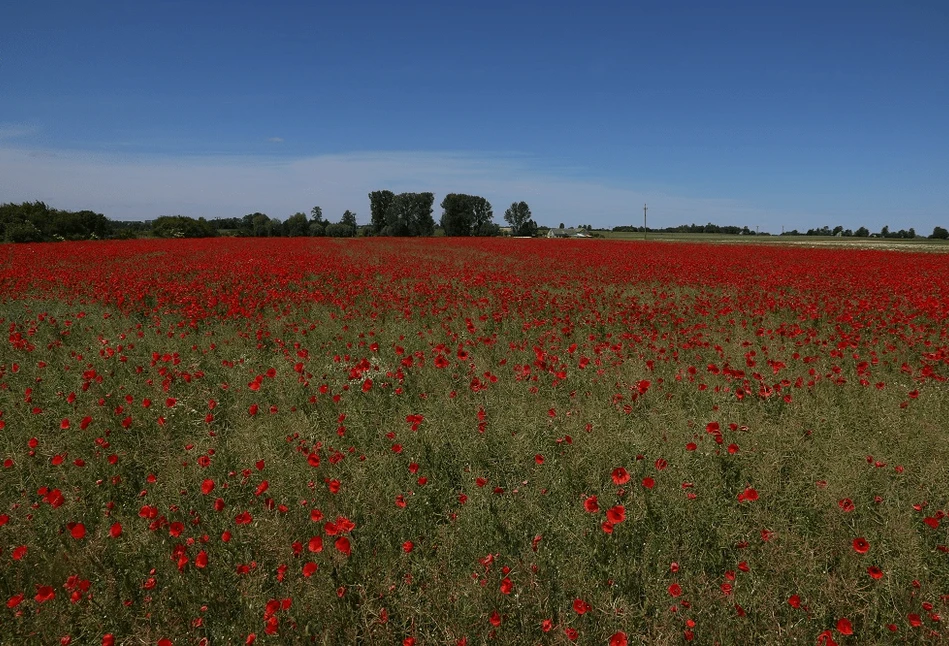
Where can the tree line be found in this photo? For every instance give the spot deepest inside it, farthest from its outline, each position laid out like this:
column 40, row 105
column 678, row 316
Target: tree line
column 391, row 214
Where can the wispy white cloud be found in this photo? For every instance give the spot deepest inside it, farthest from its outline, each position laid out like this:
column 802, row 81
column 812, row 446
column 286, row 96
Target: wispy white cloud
column 143, row 187
column 17, row 130
column 275, row 140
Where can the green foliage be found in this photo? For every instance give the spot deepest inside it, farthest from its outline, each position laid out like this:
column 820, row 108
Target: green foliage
column 518, row 215
column 467, row 215
column 181, row 226
column 939, row 233
column 296, row 226
column 36, row 222
column 340, row 231
column 349, row 219
column 410, row 214
column 379, row 203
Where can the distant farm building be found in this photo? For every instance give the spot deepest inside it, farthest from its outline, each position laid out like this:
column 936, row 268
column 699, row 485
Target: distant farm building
column 567, row 233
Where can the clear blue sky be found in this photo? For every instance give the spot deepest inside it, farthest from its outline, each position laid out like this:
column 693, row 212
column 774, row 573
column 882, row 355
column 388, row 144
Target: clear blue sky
column 751, row 113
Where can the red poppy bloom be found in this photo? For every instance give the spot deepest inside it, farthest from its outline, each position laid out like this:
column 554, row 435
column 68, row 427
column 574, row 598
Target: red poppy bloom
column 619, row 639
column 507, row 586
column 649, row 483
column 44, row 593
column 581, row 607
column 116, row 530
column 309, row 568
column 861, row 545
column 620, row 476
column 343, row 546
column 846, row 505
column 78, row 530
column 875, row 572
column 591, row 505
column 616, row 514
column 675, row 590
column 844, row 627
column 748, row 495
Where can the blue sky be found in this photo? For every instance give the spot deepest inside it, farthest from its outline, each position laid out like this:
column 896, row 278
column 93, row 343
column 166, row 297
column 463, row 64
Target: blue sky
column 767, row 114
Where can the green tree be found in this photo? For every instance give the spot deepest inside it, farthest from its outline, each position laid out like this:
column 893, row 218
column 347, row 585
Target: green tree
column 519, row 217
column 316, row 215
column 467, row 215
column 939, row 233
column 410, row 214
column 379, row 204
column 339, row 230
column 297, row 226
column 862, row 232
column 181, row 226
column 349, row 219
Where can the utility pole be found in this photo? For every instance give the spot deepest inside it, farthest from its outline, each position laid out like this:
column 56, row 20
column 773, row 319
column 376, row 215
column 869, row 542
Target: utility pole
column 644, row 221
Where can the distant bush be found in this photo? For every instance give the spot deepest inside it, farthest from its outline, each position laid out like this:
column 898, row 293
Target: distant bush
column 180, row 226
column 340, row 231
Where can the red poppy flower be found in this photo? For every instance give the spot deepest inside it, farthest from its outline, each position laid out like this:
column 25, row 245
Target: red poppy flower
column 201, row 560
column 581, row 607
column 116, row 530
column 495, row 619
column 44, row 593
column 591, row 505
column 861, row 545
column 343, row 546
column 846, row 505
column 875, row 572
column 78, row 530
column 619, row 639
column 844, row 627
column 616, row 514
column 675, row 590
column 748, row 495
column 620, row 476
column 506, row 585
column 649, row 483
column 309, row 569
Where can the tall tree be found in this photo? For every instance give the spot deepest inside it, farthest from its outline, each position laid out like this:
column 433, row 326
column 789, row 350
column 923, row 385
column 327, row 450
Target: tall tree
column 410, row 214
column 519, row 217
column 467, row 215
column 482, row 217
column 379, row 204
column 456, row 214
column 316, row 215
column 349, row 219
column 297, row 226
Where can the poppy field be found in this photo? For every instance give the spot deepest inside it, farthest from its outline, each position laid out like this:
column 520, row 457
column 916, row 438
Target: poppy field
column 443, row 441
